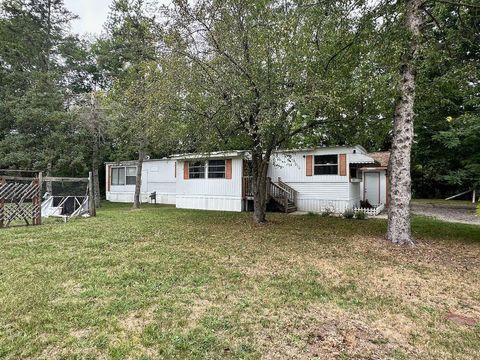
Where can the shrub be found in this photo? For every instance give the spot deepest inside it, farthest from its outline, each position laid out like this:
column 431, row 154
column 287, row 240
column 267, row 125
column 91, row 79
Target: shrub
column 361, row 215
column 348, row 214
column 326, row 213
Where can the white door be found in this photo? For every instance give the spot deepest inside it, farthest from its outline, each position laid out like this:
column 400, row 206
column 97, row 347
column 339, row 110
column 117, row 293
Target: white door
column 372, row 187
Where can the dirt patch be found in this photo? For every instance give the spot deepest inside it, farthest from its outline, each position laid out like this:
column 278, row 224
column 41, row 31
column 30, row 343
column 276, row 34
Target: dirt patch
column 326, row 333
column 456, row 214
column 80, row 333
column 198, row 309
column 136, row 321
column 461, row 319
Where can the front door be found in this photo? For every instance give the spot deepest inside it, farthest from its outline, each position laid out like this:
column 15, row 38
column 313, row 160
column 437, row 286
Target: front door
column 371, row 187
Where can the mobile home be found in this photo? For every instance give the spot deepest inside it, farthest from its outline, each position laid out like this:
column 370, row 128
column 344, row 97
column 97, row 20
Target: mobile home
column 305, row 180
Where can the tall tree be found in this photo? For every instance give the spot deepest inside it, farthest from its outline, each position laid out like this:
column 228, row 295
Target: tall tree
column 399, row 230
column 37, row 130
column 124, row 54
column 252, row 79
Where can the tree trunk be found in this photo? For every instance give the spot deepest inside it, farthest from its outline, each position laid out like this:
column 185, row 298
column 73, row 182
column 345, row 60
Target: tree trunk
column 260, row 196
column 399, row 230
column 96, row 188
column 95, row 165
column 49, row 183
column 138, row 181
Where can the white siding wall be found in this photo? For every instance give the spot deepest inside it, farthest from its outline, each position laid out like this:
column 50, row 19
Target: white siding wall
column 157, row 175
column 210, row 194
column 317, row 192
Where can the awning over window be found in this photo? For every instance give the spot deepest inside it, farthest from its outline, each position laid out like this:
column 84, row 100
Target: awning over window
column 360, row 159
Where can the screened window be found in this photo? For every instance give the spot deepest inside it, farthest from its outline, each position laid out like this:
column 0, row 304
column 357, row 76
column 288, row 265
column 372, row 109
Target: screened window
column 196, row 170
column 216, row 169
column 326, row 165
column 131, row 177
column 118, row 176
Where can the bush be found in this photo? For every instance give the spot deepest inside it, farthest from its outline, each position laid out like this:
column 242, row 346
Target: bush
column 348, row 214
column 326, row 213
column 361, row 215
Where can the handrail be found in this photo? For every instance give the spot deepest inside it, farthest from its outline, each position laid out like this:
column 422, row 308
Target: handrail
column 292, row 192
column 280, row 191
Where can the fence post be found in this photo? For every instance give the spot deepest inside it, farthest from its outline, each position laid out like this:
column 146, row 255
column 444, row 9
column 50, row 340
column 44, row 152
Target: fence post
column 2, row 203
column 91, row 199
column 36, row 202
column 40, row 184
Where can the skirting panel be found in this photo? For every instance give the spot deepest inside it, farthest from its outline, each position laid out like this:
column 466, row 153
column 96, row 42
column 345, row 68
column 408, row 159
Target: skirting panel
column 221, row 203
column 127, row 197
column 321, row 205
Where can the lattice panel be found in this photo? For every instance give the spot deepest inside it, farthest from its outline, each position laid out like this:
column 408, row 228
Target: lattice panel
column 26, row 211
column 20, row 201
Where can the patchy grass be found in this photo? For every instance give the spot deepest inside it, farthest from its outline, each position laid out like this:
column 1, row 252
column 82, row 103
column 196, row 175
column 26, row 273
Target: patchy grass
column 169, row 283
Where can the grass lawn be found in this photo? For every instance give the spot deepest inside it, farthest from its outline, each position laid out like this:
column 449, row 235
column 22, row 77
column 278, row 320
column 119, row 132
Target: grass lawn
column 167, row 283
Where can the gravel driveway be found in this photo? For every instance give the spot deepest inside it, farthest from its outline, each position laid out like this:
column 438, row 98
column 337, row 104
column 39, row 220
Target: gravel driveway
column 451, row 213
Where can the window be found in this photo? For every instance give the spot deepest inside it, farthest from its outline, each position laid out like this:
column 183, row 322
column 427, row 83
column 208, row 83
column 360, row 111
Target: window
column 326, row 165
column 124, row 175
column 131, row 177
column 216, row 169
column 196, row 170
column 118, row 176
column 355, row 173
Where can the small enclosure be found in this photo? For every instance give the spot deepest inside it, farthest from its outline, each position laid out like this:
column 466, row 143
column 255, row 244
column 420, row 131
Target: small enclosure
column 26, row 199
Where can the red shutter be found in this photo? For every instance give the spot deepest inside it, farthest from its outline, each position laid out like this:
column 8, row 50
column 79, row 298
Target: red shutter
column 109, row 177
column 343, row 164
column 228, row 169
column 185, row 170
column 309, row 165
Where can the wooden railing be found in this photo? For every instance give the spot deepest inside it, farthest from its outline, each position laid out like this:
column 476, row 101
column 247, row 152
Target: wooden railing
column 292, row 193
column 247, row 186
column 280, row 191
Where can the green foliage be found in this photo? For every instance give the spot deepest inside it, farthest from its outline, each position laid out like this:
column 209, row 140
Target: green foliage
column 348, row 214
column 361, row 215
column 37, row 56
column 447, row 148
column 327, row 212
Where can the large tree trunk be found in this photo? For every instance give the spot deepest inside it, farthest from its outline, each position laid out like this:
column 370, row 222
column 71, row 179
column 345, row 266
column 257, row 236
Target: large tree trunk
column 138, row 181
column 400, row 180
column 260, row 195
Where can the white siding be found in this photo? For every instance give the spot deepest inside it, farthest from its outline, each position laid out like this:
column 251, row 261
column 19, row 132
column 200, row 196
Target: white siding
column 210, row 194
column 317, row 192
column 157, row 175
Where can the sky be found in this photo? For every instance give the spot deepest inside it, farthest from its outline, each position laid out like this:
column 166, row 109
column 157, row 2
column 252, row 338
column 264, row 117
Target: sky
column 93, row 14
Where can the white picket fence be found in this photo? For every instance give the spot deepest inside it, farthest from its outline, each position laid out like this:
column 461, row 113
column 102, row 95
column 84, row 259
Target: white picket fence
column 372, row 211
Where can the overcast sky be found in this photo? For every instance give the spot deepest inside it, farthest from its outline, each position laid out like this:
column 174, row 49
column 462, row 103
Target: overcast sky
column 93, row 14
